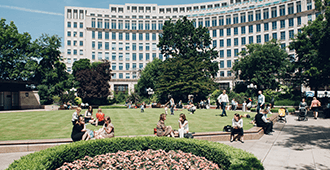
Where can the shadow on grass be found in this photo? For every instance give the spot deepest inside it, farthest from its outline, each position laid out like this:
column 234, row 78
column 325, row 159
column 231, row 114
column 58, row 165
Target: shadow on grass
column 308, row 167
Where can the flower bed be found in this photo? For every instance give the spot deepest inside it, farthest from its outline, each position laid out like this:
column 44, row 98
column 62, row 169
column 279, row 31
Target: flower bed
column 149, row 159
column 226, row 157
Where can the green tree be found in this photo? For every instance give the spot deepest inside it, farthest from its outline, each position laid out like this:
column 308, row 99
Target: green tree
column 149, row 77
column 15, row 53
column 188, row 68
column 264, row 65
column 312, row 62
column 81, row 64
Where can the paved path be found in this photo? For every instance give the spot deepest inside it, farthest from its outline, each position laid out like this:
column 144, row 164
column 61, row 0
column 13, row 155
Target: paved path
column 294, row 145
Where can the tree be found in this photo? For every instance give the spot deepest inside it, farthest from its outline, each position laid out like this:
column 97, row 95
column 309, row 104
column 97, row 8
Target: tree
column 81, row 64
column 312, row 62
column 264, row 65
column 50, row 73
column 188, row 68
column 15, row 53
column 149, row 77
column 94, row 83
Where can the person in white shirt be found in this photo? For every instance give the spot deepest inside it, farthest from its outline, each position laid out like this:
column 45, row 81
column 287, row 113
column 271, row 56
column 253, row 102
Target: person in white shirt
column 237, row 124
column 183, row 125
column 223, row 100
column 75, row 115
column 261, row 101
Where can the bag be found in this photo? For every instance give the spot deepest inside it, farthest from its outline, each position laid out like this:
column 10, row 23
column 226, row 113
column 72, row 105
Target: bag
column 227, row 128
column 188, row 135
column 248, row 116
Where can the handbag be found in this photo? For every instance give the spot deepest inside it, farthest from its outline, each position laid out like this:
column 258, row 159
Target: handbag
column 227, row 128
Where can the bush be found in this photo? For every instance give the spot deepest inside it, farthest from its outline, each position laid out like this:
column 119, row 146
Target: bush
column 286, row 102
column 274, row 110
column 226, row 157
column 113, row 107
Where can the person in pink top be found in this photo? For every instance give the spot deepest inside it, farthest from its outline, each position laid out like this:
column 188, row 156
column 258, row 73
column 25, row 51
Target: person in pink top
column 315, row 107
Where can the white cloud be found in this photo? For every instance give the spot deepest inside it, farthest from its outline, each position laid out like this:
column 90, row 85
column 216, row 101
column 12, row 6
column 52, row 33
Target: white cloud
column 30, row 10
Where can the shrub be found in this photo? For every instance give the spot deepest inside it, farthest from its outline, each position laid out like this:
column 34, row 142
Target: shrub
column 286, row 102
column 113, row 107
column 226, row 157
column 274, row 110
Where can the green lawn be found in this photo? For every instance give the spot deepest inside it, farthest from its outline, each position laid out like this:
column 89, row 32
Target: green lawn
column 57, row 124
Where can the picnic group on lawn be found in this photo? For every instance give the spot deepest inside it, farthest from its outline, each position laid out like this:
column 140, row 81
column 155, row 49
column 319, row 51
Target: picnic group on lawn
column 80, row 132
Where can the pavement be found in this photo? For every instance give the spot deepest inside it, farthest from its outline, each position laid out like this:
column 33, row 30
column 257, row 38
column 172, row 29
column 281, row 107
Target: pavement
column 303, row 145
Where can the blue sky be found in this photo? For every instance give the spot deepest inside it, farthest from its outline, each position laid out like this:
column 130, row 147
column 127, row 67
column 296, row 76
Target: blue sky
column 47, row 16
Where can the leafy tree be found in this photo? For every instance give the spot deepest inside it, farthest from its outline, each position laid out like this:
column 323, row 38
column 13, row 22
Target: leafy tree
column 15, row 53
column 188, row 68
column 81, row 64
column 312, row 62
column 149, row 77
column 264, row 65
column 94, row 83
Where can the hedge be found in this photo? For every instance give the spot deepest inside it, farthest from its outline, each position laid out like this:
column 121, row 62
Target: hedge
column 113, row 107
column 274, row 110
column 227, row 157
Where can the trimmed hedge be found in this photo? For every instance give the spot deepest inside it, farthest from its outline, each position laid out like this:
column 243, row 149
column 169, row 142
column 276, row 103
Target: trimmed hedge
column 274, row 110
column 113, row 107
column 226, row 157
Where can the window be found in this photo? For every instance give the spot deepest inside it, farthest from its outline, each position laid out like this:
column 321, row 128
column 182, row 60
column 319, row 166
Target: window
column 243, row 40
column 127, row 57
column 93, row 44
column 274, row 25
column 106, row 55
column 298, row 20
column 99, row 23
column 309, row 16
column 282, row 22
column 228, row 63
column 99, row 55
column 120, row 46
column 235, row 31
column 81, row 34
column 133, row 36
column 147, row 36
column 114, row 65
column 200, row 22
column 127, row 25
column 134, row 46
column 81, row 43
column 274, row 12
column 160, row 25
column 250, row 39
column 291, row 34
column 243, row 18
column 99, row 35
column 221, row 32
column 113, row 24
column 113, row 47
column 120, row 36
column 140, row 25
column 141, row 56
column 251, row 29
column 69, row 34
column 258, row 15
column 93, row 55
column 283, row 46
column 153, row 56
column 113, row 75
column 160, row 56
column 75, row 34
column 228, row 42
column 127, row 66
column 222, row 54
column 69, row 51
column 141, row 46
column 228, row 53
column 214, row 43
column 154, row 46
column 235, row 52
column 291, row 22
column 207, row 22
column 221, row 22
column 127, row 47
column 309, row 4
column 266, row 13
column 68, row 42
column 106, row 35
column 147, row 47
column 243, row 30
column 222, row 74
column 147, row 56
column 99, row 45
column 298, row 7
column 153, row 25
column 222, row 64
column 153, row 36
column 258, row 38
column 134, row 57
column 93, row 22
column 120, row 24
column 133, row 25
column 221, row 43
column 120, row 66
column 75, row 43
column 250, row 16
column 275, row 36
column 106, row 24
column 140, row 36
column 228, row 31
column 214, row 21
column 140, row 65
column 126, row 36
column 283, row 35
column 258, row 27
column 228, row 73
column 290, row 8
column 235, row 41
column 128, row 76
column 266, row 37
column 235, row 19
column 266, row 26
column 69, row 25
column 214, row 33
column 81, row 25
column 282, row 10
column 114, row 56
column 120, row 75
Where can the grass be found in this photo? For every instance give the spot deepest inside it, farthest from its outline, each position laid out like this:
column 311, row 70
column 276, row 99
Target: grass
column 57, row 124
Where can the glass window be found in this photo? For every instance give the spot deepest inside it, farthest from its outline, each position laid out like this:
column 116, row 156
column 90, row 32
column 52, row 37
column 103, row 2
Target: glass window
column 266, row 13
column 69, row 25
column 140, row 36
column 228, row 73
column 141, row 56
column 235, row 41
column 127, row 57
column 274, row 25
column 243, row 18
column 214, row 33
column 250, row 28
column 228, row 31
column 120, row 24
column 127, row 25
column 99, row 45
column 235, row 31
column 93, row 22
column 75, row 43
column 290, row 8
column 114, row 65
column 291, row 22
column 309, row 4
column 127, row 66
column 113, row 36
column 221, row 21
column 222, row 54
column 222, row 74
column 283, row 35
column 113, row 75
column 235, row 52
column 99, row 55
column 266, row 36
column 147, row 56
column 153, row 25
column 120, row 36
column 134, row 56
column 140, row 65
column 140, row 25
column 250, row 16
column 126, row 36
column 128, row 76
column 133, row 36
column 214, row 21
column 147, row 46
column 153, row 36
column 147, row 36
column 133, row 25
column 113, row 24
column 243, row 40
column 160, row 56
column 120, row 75
column 235, row 18
column 69, row 34
column 106, row 35
column 298, row 7
column 120, row 66
column 228, row 53
column 153, row 55
column 282, row 10
column 207, row 22
column 228, row 63
column 291, row 34
column 106, row 24
column 250, row 39
column 81, row 43
column 93, row 34
column 113, row 56
column 309, row 16
column 69, row 51
column 75, row 52
column 222, row 64
column 221, row 43
column 93, row 55
column 228, row 42
column 258, row 15
column 258, row 27
column 282, row 22
column 141, row 46
column 68, row 42
column 93, row 44
column 99, row 35
column 243, row 30
column 120, row 46
column 134, row 46
column 81, row 34
column 274, row 12
column 283, row 46
column 160, row 25
column 214, row 43
column 113, row 46
column 275, row 36
column 221, row 32
column 258, row 38
column 266, row 26
column 99, row 23
column 106, row 55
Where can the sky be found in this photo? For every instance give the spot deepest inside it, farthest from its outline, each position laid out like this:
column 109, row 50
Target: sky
column 47, row 16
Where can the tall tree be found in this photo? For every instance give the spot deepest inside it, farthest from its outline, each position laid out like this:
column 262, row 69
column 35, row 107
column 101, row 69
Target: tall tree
column 81, row 64
column 15, row 53
column 264, row 65
column 94, row 83
column 149, row 77
column 312, row 62
column 188, row 68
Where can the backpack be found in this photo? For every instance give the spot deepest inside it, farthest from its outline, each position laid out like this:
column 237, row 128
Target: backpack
column 227, row 128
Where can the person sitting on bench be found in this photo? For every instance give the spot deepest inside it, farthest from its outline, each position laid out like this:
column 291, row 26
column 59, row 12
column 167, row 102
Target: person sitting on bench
column 237, row 124
column 264, row 122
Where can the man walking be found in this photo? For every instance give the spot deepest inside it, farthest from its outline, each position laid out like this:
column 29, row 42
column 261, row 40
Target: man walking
column 223, row 100
column 261, row 101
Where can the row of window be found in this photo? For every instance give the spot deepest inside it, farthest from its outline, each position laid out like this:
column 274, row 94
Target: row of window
column 128, row 56
column 128, row 36
column 121, row 75
column 141, row 46
column 75, row 25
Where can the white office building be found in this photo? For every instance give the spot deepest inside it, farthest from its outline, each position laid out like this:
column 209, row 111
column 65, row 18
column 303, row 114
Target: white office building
column 127, row 35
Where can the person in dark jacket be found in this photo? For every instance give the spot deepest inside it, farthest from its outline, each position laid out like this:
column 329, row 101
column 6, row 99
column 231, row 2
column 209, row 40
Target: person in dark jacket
column 264, row 122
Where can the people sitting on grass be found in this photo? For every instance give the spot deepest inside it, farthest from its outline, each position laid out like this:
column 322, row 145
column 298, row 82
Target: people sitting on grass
column 233, row 104
column 107, row 131
column 264, row 122
column 163, row 130
column 191, row 108
column 79, row 131
column 201, row 104
column 75, row 115
column 237, row 124
column 100, row 117
column 142, row 107
column 89, row 115
column 183, row 125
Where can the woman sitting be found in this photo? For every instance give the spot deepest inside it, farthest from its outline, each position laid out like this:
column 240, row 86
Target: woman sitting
column 237, row 124
column 191, row 108
column 75, row 116
column 79, row 130
column 89, row 115
column 163, row 130
column 100, row 117
column 183, row 125
column 264, row 122
column 107, row 131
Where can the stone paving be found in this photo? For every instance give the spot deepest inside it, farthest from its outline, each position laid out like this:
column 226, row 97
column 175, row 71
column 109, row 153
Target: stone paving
column 294, row 145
